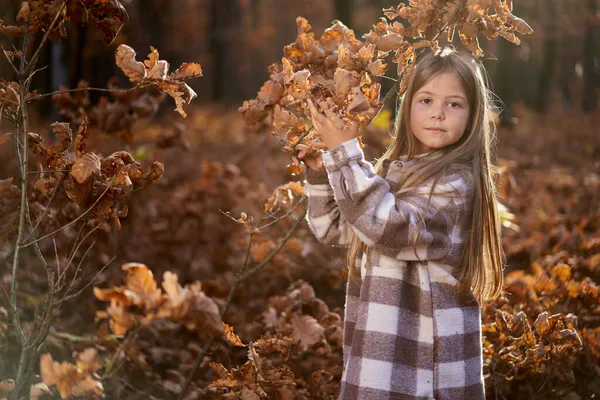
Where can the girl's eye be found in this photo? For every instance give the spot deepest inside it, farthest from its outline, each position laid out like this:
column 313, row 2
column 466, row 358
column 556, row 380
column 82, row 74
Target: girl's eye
column 454, row 104
column 425, row 101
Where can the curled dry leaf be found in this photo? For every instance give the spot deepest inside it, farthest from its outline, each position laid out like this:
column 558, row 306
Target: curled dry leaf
column 39, row 390
column 231, row 336
column 64, row 375
column 154, row 72
column 307, row 330
column 85, row 167
column 284, row 197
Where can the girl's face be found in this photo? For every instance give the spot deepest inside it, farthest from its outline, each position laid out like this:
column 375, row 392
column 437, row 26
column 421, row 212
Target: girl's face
column 439, row 112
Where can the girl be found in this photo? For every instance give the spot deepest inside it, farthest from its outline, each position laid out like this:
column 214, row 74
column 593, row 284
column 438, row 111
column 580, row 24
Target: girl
column 422, row 231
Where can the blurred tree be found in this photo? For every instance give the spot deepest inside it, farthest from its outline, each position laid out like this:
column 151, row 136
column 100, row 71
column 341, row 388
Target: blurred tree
column 590, row 55
column 344, row 11
column 548, row 21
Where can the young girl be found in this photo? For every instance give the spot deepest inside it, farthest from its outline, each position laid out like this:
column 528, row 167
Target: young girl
column 422, row 228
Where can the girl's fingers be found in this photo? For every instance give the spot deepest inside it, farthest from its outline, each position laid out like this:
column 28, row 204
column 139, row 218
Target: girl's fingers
column 302, row 154
column 295, row 161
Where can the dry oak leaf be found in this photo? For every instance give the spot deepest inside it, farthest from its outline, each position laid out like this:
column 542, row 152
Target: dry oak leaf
column 64, row 375
column 190, row 306
column 187, row 71
column 140, row 288
column 261, row 248
column 87, row 386
column 38, row 390
column 85, row 167
column 307, row 330
column 231, row 336
column 120, row 320
column 87, row 360
column 125, row 58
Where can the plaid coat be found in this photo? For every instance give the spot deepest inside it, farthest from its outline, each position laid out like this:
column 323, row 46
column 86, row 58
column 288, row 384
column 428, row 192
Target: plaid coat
column 407, row 333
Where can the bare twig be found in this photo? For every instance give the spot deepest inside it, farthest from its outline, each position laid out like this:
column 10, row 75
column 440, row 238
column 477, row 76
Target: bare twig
column 33, row 62
column 283, row 216
column 276, row 249
column 76, row 219
column 69, row 297
column 241, row 276
column 49, row 171
column 70, row 260
column 9, row 61
column 43, row 96
column 44, row 213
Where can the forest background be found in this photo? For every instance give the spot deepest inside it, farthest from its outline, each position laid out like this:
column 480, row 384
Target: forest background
column 219, row 208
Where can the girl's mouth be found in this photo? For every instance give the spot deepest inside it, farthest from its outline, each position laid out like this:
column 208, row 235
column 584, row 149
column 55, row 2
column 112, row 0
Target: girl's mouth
column 435, row 130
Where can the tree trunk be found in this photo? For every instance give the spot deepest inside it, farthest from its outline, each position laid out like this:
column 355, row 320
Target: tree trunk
column 344, row 11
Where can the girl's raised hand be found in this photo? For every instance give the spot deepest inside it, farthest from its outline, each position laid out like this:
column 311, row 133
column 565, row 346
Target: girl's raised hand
column 313, row 161
column 331, row 135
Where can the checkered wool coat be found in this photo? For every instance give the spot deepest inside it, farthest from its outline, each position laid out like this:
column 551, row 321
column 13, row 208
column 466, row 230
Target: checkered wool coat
column 407, row 333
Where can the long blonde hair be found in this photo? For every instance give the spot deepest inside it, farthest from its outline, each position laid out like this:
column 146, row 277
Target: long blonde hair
column 481, row 266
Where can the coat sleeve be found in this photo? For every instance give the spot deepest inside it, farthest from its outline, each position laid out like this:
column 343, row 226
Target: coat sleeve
column 410, row 226
column 324, row 218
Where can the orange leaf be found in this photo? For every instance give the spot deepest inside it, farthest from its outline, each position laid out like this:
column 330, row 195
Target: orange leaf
column 85, row 166
column 64, row 375
column 187, row 71
column 231, row 336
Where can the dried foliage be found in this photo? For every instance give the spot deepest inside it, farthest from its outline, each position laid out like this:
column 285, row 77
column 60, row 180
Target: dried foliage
column 541, row 339
column 95, row 183
column 338, row 70
column 187, row 305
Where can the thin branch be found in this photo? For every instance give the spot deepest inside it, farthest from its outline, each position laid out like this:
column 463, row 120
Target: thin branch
column 49, row 171
column 241, row 276
column 43, row 96
column 36, row 55
column 283, row 216
column 44, row 213
column 207, row 345
column 71, row 252
column 276, row 249
column 75, row 251
column 30, row 77
column 69, row 297
column 15, row 70
column 301, row 137
column 20, row 232
column 76, row 219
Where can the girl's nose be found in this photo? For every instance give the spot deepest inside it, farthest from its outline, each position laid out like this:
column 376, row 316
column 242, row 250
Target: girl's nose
column 437, row 113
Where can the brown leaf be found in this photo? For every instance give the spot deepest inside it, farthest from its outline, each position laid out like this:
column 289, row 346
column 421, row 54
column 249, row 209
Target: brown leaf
column 156, row 171
column 88, row 386
column 64, row 375
column 153, row 58
column 38, row 390
column 63, row 133
column 23, row 15
column 85, row 167
column 187, row 71
column 125, row 59
column 141, row 286
column 82, row 137
column 87, row 360
column 108, row 15
column 231, row 336
column 307, row 330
